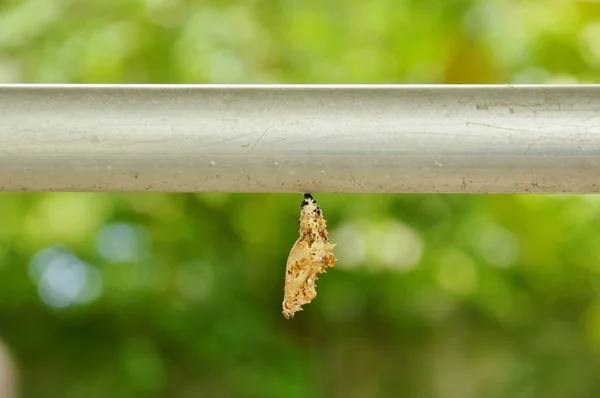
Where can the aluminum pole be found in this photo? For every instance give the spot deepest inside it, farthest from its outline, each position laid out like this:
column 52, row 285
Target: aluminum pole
column 300, row 138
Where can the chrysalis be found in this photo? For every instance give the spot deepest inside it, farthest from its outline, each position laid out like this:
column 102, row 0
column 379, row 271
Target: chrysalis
column 309, row 257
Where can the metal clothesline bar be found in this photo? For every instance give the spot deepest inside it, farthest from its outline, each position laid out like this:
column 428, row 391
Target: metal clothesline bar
column 301, row 138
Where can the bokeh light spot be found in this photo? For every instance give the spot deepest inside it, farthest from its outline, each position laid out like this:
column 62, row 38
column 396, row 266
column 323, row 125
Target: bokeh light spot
column 63, row 279
column 121, row 242
column 498, row 245
column 382, row 245
column 350, row 250
column 456, row 272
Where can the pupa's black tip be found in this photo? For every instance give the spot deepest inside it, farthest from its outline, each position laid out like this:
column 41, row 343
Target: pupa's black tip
column 306, row 196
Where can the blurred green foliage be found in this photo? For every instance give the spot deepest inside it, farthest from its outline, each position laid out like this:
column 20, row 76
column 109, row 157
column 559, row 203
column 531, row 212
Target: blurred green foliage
column 180, row 295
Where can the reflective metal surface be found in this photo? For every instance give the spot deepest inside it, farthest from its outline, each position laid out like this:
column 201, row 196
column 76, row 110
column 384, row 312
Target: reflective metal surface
column 395, row 139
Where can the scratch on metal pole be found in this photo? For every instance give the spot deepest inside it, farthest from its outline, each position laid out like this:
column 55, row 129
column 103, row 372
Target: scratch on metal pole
column 228, row 139
column 261, row 137
column 500, row 128
column 354, row 179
